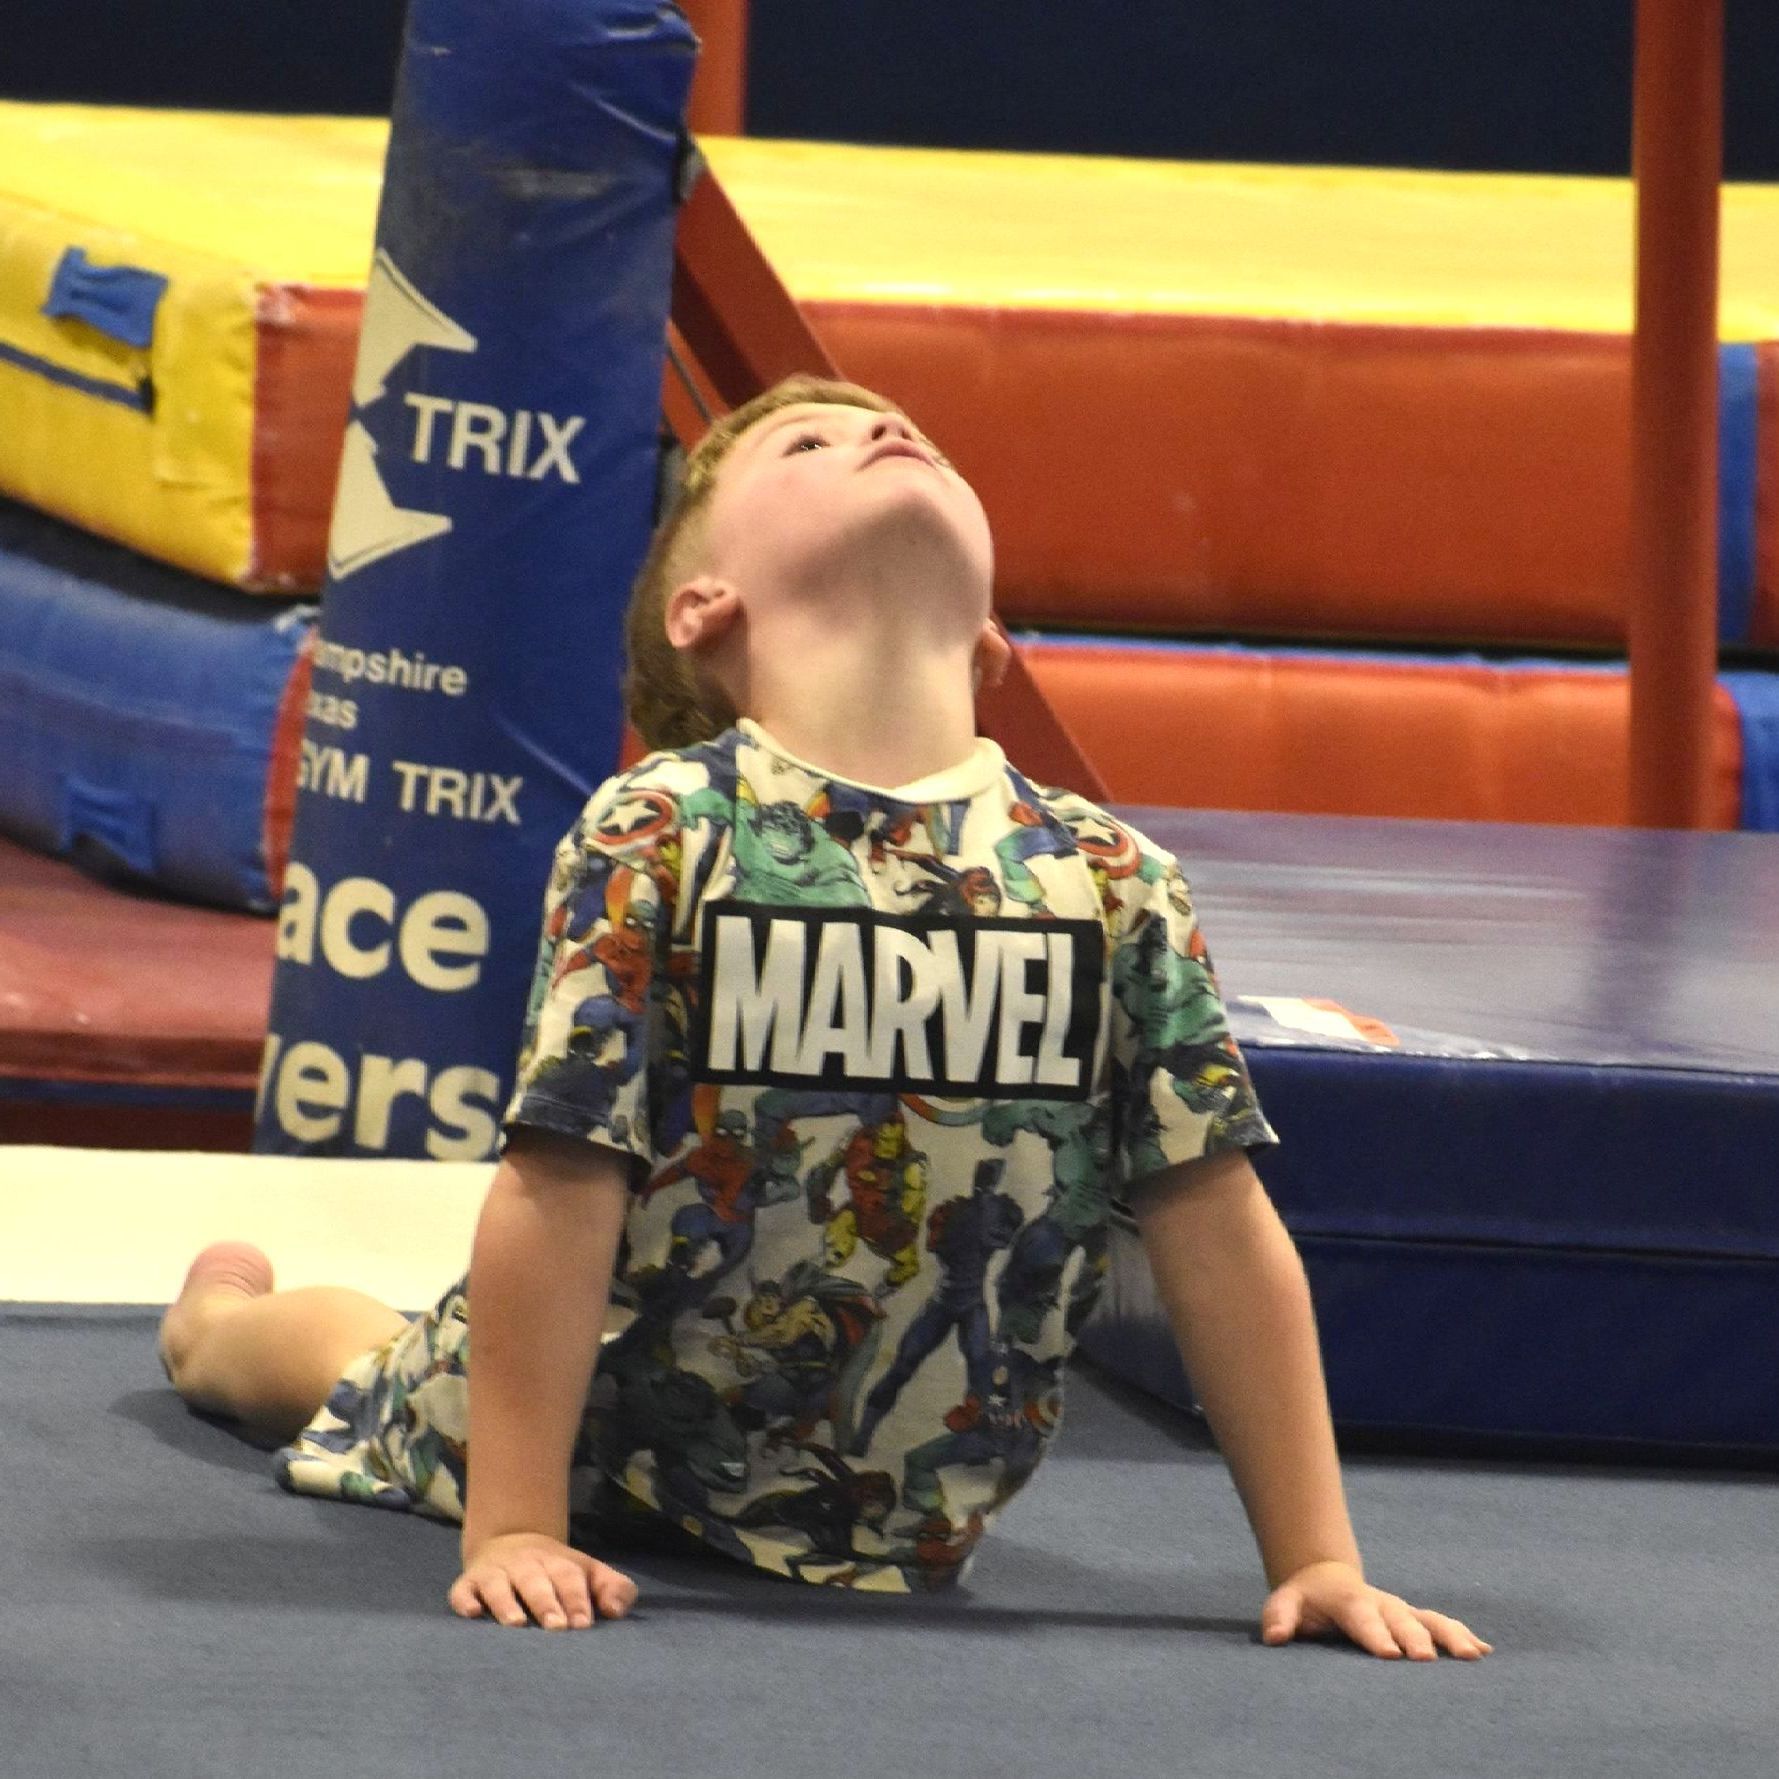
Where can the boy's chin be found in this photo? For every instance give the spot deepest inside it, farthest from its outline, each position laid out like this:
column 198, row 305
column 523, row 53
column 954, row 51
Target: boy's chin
column 922, row 550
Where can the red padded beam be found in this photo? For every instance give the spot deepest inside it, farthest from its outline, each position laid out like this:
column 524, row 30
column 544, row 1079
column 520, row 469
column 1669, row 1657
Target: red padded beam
column 1678, row 156
column 730, row 307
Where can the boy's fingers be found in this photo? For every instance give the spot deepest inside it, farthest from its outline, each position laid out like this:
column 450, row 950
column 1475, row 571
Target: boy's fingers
column 502, row 1601
column 463, row 1598
column 1455, row 1635
column 1381, row 1624
column 1367, row 1627
column 537, row 1588
column 1410, row 1634
column 572, row 1590
column 614, row 1591
column 1278, row 1624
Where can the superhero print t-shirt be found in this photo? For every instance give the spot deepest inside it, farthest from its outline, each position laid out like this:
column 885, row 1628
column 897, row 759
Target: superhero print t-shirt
column 884, row 1058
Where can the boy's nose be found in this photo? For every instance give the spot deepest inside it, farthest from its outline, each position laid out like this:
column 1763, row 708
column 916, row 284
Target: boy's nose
column 888, row 426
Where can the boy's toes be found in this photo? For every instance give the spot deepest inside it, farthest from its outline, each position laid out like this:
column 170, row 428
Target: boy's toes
column 230, row 1266
column 236, row 1269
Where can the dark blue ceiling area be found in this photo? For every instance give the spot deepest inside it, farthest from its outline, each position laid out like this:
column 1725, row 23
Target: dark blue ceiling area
column 1508, row 85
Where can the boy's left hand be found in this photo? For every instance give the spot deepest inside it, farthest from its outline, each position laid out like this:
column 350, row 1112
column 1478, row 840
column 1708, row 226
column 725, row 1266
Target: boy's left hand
column 1336, row 1597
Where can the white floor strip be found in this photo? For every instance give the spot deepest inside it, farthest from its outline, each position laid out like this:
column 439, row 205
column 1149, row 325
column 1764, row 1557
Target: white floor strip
column 121, row 1226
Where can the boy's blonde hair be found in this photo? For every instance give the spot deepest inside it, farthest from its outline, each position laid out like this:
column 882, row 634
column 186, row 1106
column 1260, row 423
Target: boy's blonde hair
column 668, row 701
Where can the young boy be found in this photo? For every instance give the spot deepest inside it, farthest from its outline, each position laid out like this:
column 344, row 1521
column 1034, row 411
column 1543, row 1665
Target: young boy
column 842, row 1038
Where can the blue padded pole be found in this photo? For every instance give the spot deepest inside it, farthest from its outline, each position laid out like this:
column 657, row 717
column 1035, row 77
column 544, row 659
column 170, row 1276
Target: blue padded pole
column 495, row 499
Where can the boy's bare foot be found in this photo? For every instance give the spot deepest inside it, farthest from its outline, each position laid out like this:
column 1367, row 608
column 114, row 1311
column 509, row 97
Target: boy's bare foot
column 224, row 1269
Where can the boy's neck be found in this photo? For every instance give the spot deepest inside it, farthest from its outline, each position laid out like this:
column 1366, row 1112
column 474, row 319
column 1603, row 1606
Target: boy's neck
column 869, row 720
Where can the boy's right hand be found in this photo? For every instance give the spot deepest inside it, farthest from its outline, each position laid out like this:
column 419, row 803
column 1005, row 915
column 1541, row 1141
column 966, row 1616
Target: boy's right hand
column 563, row 1588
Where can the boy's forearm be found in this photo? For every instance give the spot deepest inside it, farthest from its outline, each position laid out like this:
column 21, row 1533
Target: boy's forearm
column 1234, row 1289
column 539, row 1281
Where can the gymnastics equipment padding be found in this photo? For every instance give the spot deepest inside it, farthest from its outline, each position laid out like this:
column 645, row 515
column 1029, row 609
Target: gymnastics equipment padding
column 495, row 499
column 180, row 298
column 148, row 720
column 1444, row 737
column 1278, row 400
column 1548, row 1218
column 126, row 1021
column 1291, row 401
column 1764, row 622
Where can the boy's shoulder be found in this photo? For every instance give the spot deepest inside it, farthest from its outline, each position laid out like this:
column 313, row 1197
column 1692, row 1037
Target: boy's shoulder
column 657, row 796
column 1106, row 838
column 697, row 762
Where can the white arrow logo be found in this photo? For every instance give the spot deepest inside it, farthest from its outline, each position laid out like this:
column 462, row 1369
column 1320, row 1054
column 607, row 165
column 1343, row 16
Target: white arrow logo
column 367, row 524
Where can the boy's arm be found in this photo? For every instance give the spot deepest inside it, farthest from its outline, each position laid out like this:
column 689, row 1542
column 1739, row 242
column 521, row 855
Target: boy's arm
column 1235, row 1293
column 539, row 1283
column 1232, row 1284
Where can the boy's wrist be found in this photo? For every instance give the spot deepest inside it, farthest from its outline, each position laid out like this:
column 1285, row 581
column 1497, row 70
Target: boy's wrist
column 1279, row 1571
column 479, row 1534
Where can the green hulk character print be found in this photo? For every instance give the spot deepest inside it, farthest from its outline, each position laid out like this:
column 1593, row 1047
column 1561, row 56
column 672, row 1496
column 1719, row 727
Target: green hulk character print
column 782, row 855
column 1171, row 1000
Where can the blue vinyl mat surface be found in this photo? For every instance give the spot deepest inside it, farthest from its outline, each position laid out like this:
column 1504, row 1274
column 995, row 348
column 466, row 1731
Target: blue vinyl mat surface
column 1573, row 1153
column 1606, row 946
column 171, row 1615
column 137, row 711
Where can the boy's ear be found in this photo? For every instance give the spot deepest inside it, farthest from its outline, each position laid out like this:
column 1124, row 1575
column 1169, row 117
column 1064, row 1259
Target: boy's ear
column 994, row 655
column 700, row 613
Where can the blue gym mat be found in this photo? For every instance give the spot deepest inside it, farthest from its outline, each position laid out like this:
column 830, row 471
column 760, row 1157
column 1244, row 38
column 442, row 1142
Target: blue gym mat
column 170, row 1614
column 137, row 711
column 1572, row 1157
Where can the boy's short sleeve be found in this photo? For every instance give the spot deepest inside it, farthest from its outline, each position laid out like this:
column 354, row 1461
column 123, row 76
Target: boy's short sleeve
column 1180, row 1088
column 584, row 1059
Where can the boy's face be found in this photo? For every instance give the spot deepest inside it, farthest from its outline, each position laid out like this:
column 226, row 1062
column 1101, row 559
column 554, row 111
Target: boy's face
column 818, row 490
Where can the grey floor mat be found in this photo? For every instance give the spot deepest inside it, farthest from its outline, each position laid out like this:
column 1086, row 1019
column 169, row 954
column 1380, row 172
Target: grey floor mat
column 165, row 1610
